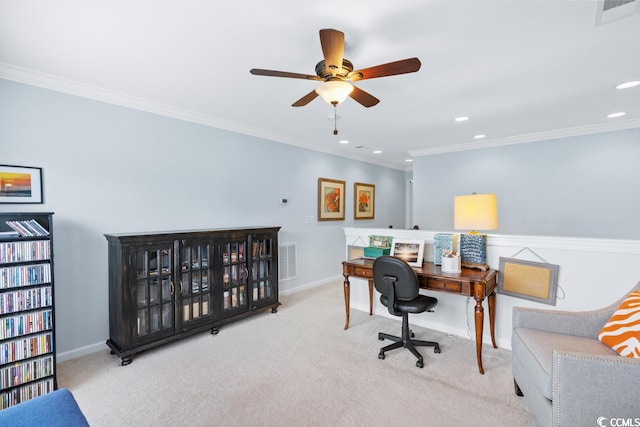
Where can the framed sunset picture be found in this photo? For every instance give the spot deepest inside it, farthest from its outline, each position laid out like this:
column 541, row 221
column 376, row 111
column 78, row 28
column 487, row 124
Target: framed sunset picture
column 330, row 199
column 364, row 200
column 20, row 184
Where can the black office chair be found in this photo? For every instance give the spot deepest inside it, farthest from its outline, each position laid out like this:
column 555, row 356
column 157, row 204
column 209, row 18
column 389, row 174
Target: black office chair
column 398, row 285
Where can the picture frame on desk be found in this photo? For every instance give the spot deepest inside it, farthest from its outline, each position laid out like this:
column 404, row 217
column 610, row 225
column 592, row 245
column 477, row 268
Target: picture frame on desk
column 20, row 184
column 364, row 200
column 409, row 250
column 331, row 195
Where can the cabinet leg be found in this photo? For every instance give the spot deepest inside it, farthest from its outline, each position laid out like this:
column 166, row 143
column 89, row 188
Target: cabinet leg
column 274, row 310
column 125, row 361
column 214, row 331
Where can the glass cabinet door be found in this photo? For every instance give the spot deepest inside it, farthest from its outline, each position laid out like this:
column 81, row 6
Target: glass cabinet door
column 195, row 288
column 153, row 293
column 234, row 275
column 262, row 270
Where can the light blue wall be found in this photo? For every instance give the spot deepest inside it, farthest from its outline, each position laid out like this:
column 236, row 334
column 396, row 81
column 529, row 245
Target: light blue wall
column 586, row 186
column 109, row 169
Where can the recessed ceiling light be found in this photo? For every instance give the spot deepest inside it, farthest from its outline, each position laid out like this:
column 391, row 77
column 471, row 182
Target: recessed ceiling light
column 479, row 136
column 461, row 119
column 409, row 160
column 377, row 152
column 614, row 115
column 627, row 85
column 343, row 141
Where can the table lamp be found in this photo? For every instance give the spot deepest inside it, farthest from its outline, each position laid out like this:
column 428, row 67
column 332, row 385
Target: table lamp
column 475, row 212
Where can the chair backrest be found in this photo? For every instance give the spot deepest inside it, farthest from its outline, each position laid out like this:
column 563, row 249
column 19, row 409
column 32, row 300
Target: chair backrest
column 387, row 270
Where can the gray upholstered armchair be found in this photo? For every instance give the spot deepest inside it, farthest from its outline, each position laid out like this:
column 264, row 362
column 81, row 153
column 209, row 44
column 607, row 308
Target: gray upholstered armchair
column 567, row 376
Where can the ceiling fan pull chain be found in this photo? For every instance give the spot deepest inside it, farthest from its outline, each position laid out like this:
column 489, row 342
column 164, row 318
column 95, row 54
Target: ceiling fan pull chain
column 335, row 118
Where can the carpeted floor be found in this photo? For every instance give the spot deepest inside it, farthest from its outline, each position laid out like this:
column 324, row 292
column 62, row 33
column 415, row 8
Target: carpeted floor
column 298, row 367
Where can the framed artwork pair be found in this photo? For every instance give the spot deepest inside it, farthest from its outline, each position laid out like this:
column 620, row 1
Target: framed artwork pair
column 331, row 197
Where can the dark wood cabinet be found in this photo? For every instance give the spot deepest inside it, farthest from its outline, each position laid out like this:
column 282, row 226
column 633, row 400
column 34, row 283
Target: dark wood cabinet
column 27, row 331
column 166, row 286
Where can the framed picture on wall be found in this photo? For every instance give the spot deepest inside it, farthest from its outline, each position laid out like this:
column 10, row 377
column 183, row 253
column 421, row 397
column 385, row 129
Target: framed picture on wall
column 20, row 184
column 364, row 198
column 534, row 281
column 330, row 199
column 410, row 251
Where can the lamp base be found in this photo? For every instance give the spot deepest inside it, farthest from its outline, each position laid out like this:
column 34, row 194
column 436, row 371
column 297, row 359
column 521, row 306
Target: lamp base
column 477, row 266
column 473, row 249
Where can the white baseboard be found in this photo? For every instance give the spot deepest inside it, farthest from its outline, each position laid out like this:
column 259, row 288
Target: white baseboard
column 310, row 285
column 82, row 351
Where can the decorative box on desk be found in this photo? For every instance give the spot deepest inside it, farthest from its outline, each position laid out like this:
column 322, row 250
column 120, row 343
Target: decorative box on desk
column 444, row 242
column 378, row 246
column 375, row 252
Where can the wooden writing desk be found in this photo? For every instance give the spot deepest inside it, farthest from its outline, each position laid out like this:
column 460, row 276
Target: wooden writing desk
column 471, row 283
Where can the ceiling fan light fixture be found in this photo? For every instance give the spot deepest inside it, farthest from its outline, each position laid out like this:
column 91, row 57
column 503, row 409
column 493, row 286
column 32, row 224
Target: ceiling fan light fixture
column 334, row 91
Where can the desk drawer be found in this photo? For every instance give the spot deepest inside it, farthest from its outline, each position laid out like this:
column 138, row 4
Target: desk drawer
column 444, row 285
column 363, row 272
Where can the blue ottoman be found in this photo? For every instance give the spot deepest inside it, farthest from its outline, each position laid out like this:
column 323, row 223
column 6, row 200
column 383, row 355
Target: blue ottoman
column 56, row 409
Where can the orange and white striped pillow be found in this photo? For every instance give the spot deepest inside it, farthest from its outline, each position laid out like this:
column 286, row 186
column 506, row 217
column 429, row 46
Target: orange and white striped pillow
column 622, row 331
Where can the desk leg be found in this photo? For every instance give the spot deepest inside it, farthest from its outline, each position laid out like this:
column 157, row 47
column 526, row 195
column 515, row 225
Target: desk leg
column 492, row 318
column 479, row 317
column 347, row 292
column 370, row 297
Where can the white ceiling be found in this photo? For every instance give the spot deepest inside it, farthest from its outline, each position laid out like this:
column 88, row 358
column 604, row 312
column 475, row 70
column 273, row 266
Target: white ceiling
column 521, row 70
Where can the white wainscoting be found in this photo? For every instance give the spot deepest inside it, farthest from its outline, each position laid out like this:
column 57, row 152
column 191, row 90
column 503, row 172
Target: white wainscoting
column 593, row 273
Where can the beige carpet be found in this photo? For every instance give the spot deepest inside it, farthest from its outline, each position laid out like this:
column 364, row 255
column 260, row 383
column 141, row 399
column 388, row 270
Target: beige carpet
column 298, row 367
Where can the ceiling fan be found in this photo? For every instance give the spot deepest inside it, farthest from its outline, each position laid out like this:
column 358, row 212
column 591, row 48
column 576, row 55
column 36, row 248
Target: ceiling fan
column 337, row 73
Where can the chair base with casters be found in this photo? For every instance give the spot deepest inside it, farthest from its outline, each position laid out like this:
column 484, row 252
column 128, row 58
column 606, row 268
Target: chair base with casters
column 406, row 342
column 398, row 285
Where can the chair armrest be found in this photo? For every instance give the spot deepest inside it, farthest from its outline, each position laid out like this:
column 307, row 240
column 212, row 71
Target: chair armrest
column 577, row 323
column 586, row 387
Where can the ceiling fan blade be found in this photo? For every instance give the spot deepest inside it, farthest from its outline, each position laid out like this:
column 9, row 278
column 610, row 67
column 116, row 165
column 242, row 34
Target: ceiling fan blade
column 364, row 98
column 305, row 99
column 332, row 42
column 271, row 73
column 404, row 66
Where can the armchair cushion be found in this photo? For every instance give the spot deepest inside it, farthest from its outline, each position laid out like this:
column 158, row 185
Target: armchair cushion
column 535, row 348
column 622, row 331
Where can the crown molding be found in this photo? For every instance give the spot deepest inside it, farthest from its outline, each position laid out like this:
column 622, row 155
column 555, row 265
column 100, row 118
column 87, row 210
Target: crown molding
column 531, row 137
column 71, row 87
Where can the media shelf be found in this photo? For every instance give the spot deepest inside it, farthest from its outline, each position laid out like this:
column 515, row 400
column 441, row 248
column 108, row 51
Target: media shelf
column 27, row 327
column 169, row 285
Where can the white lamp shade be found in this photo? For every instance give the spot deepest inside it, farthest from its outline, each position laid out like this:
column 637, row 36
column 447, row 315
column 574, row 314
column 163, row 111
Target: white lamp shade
column 475, row 212
column 334, row 91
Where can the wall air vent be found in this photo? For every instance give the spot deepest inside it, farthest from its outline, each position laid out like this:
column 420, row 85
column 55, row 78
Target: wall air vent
column 287, row 261
column 612, row 10
column 610, row 4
